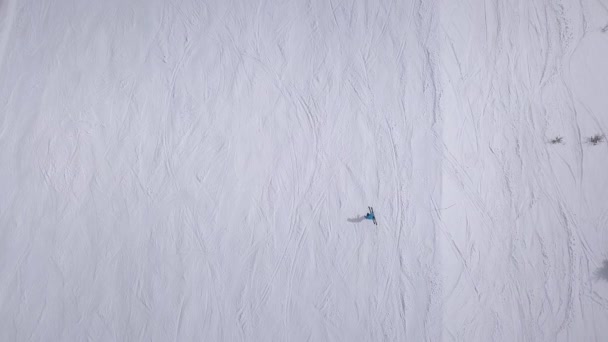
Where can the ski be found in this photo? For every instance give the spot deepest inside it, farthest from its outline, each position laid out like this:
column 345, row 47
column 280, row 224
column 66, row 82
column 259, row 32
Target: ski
column 371, row 211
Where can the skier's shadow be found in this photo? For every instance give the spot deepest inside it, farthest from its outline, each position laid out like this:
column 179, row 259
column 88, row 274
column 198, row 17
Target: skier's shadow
column 356, row 219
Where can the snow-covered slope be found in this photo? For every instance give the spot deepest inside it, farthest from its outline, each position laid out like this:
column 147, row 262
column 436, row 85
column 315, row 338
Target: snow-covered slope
column 188, row 170
column 525, row 232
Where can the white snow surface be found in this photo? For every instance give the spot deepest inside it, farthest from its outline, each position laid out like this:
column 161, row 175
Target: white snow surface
column 197, row 170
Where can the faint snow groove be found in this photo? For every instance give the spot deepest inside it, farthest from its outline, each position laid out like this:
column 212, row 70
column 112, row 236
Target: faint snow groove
column 154, row 40
column 178, row 328
column 565, row 37
column 426, row 31
column 568, row 316
column 567, row 220
column 185, row 54
column 579, row 142
column 299, row 245
column 6, row 28
column 386, row 20
column 457, row 171
column 266, row 289
column 461, row 257
column 400, row 190
column 311, row 120
column 333, row 13
column 454, row 54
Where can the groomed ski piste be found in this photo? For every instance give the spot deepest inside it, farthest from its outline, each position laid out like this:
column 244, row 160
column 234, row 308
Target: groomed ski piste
column 199, row 170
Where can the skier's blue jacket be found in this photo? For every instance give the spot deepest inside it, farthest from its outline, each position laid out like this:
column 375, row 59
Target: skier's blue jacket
column 370, row 216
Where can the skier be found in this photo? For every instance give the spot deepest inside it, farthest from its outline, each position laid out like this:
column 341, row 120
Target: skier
column 371, row 216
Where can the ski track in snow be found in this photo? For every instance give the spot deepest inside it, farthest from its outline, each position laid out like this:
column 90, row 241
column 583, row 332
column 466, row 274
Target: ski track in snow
column 528, row 237
column 187, row 170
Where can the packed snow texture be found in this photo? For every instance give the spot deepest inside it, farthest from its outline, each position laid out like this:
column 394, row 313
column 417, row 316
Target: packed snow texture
column 198, row 170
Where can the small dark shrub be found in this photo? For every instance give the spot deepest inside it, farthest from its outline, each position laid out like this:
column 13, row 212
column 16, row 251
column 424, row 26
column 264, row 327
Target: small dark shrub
column 596, row 139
